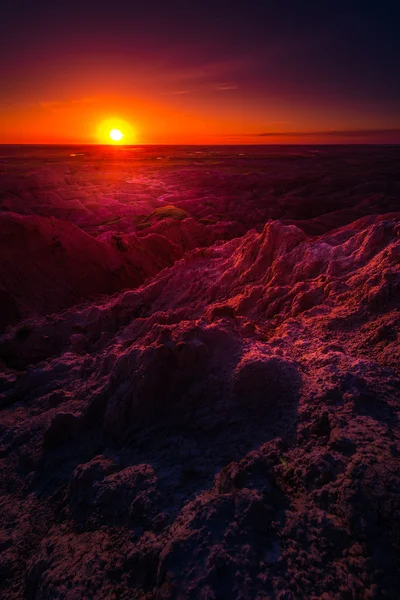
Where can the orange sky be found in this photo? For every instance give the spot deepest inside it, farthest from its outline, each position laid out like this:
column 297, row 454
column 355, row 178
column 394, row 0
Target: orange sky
column 221, row 117
column 78, row 120
column 158, row 117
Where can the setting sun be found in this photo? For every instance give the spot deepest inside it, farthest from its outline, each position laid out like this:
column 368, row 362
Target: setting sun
column 116, row 131
column 116, row 135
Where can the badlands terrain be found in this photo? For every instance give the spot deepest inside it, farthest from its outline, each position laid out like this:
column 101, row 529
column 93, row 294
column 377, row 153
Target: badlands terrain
column 199, row 373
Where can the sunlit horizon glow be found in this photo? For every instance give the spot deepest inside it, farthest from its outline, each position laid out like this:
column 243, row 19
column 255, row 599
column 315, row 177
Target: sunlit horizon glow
column 212, row 76
column 114, row 131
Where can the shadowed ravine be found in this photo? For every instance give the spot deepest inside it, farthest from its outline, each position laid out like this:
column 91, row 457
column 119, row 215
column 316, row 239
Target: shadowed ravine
column 199, row 373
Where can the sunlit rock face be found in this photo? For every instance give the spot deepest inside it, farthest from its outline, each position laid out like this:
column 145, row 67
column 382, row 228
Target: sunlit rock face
column 199, row 374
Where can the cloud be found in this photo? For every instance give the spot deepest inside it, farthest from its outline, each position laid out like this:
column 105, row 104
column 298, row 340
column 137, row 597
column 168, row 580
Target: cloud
column 177, row 93
column 330, row 133
column 202, row 86
column 58, row 104
column 209, row 71
column 51, row 104
column 83, row 101
column 224, row 87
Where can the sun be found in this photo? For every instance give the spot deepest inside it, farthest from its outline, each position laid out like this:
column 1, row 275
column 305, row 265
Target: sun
column 117, row 132
column 116, row 135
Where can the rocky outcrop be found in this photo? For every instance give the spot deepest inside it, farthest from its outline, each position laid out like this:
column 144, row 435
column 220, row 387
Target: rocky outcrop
column 226, row 428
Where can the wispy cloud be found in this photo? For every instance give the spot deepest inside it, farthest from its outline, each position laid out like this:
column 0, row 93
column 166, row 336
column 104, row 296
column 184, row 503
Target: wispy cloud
column 202, row 86
column 226, row 87
column 177, row 93
column 83, row 101
column 58, row 104
column 330, row 133
column 51, row 104
column 217, row 72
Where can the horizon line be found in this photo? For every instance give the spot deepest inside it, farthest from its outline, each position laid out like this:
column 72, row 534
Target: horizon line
column 347, row 143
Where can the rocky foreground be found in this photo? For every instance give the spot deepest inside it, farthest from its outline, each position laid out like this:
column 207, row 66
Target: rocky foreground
column 199, row 375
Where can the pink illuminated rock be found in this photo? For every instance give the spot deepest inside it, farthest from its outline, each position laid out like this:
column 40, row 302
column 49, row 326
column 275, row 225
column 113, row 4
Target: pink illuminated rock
column 199, row 376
